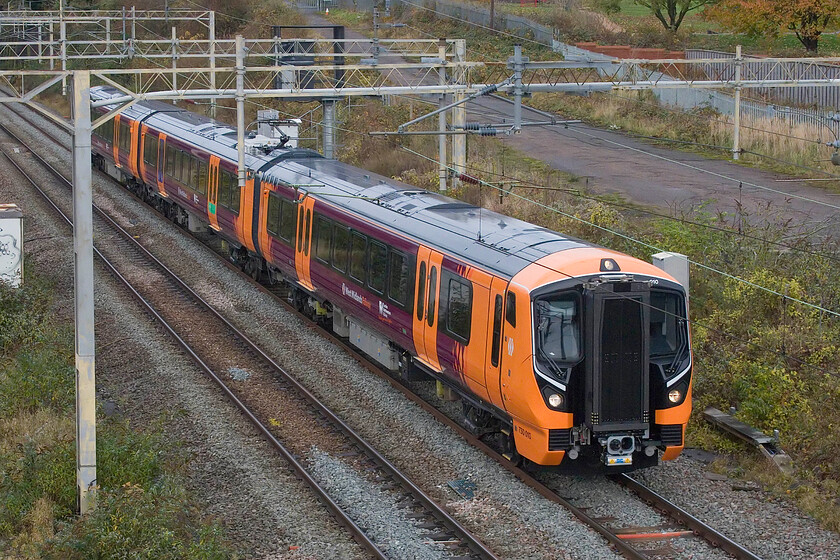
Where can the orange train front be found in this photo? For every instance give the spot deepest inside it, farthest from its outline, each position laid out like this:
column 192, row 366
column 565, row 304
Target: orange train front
column 561, row 351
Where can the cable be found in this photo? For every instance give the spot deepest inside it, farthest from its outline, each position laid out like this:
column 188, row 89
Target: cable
column 578, row 194
column 640, row 242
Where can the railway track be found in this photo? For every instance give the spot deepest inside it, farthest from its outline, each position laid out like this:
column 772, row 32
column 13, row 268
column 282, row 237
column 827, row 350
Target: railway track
column 638, row 543
column 220, row 349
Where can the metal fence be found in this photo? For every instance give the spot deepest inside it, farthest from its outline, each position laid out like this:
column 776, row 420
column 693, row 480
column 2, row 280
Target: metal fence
column 800, row 96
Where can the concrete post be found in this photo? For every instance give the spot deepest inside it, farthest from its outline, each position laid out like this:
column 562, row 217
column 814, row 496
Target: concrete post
column 459, row 117
column 174, row 62
column 63, row 45
column 442, row 170
column 518, row 65
column 211, row 36
column 240, row 107
column 52, row 47
column 736, row 135
column 133, row 37
column 107, row 35
column 83, row 282
column 328, row 126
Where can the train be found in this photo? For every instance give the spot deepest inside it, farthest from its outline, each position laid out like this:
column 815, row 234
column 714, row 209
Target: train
column 563, row 353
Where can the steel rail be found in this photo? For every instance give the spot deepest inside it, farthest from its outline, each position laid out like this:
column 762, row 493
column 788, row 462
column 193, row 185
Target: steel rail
column 474, row 544
column 702, row 530
column 709, row 534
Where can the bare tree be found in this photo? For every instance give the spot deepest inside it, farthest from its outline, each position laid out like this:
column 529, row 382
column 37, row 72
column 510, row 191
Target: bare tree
column 672, row 12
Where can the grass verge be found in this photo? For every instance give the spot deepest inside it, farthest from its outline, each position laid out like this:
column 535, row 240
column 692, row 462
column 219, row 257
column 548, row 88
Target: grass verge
column 143, row 508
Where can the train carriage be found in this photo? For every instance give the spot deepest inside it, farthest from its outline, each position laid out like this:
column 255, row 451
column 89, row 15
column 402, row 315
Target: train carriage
column 563, row 351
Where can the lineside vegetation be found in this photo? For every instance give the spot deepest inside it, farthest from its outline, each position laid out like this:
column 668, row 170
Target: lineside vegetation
column 144, row 510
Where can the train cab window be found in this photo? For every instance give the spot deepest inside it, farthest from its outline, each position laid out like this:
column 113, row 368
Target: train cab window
column 288, row 218
column 430, row 315
column 510, row 305
column 150, row 149
column 665, row 334
column 497, row 331
column 459, row 309
column 377, row 267
column 341, row 247
column 398, row 278
column 272, row 221
column 557, row 331
column 202, row 177
column 170, row 156
column 306, row 229
column 358, row 252
column 421, row 291
column 323, row 238
column 125, row 137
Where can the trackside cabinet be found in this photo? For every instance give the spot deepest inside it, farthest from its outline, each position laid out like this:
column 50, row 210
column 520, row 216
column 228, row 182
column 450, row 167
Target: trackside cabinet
column 11, row 245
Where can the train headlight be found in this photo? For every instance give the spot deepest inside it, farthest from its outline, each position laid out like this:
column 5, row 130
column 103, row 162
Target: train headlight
column 555, row 400
column 674, row 396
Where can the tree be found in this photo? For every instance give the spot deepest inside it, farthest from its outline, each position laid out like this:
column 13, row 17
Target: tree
column 672, row 12
column 806, row 18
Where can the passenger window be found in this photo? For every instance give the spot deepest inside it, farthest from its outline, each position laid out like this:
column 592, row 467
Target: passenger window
column 377, row 267
column 194, row 184
column 398, row 278
column 125, row 137
column 306, row 230
column 273, row 218
column 459, row 309
column 150, row 149
column 170, row 161
column 341, row 246
column 288, row 217
column 202, row 177
column 358, row 250
column 323, row 238
column 223, row 196
column 510, row 304
column 183, row 167
column 235, row 193
column 421, row 291
column 497, row 332
column 430, row 317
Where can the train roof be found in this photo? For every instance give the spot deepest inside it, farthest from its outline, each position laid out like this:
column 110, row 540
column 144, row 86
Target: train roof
column 479, row 236
column 484, row 238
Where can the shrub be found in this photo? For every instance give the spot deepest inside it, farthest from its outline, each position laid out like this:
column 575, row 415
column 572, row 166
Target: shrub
column 132, row 522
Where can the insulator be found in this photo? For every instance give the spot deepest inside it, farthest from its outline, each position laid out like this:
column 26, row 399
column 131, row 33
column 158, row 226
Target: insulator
column 472, row 126
column 487, row 131
column 468, row 179
column 488, row 89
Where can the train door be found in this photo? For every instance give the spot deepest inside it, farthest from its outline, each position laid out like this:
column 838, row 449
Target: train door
column 213, row 192
column 495, row 326
column 303, row 240
column 427, row 300
column 161, row 162
column 133, row 152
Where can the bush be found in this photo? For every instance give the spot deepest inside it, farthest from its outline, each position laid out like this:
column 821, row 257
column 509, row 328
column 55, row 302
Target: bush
column 132, row 522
